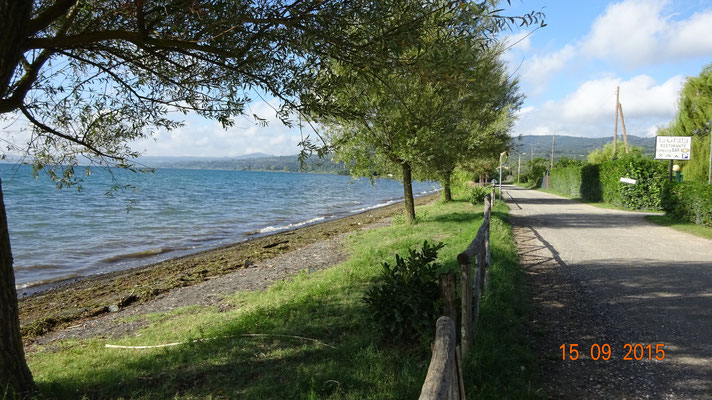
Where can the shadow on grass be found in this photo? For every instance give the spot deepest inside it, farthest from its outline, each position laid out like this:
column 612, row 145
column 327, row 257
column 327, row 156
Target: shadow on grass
column 269, row 367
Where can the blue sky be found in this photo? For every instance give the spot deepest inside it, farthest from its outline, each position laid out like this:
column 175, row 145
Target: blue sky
column 568, row 72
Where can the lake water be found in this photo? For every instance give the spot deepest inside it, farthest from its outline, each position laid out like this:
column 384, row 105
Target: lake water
column 64, row 234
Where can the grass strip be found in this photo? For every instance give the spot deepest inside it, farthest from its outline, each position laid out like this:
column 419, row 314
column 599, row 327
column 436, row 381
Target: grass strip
column 682, row 226
column 258, row 348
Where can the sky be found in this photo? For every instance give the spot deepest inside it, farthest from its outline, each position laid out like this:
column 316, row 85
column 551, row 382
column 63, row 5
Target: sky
column 568, row 71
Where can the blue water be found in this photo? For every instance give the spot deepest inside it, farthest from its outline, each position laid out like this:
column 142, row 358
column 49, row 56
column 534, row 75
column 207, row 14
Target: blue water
column 64, row 234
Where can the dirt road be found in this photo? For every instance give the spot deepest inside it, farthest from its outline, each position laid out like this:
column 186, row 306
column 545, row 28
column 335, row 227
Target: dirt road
column 610, row 277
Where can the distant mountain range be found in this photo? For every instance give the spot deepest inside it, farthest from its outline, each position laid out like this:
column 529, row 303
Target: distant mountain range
column 571, row 146
column 249, row 162
column 566, row 146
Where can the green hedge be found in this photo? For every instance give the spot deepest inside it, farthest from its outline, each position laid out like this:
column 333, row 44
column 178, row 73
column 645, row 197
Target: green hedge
column 646, row 194
column 566, row 181
column 596, row 182
column 689, row 201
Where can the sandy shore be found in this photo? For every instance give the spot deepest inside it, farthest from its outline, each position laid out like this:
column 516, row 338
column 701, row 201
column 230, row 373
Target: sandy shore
column 251, row 265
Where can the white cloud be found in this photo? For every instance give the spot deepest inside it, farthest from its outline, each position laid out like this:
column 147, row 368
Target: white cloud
column 538, row 70
column 635, row 33
column 590, row 109
column 204, row 138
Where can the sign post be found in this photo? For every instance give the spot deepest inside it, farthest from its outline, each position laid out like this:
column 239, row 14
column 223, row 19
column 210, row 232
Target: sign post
column 673, row 148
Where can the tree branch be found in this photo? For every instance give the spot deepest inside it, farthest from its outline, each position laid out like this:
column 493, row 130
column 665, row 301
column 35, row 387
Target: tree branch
column 72, row 139
column 48, row 16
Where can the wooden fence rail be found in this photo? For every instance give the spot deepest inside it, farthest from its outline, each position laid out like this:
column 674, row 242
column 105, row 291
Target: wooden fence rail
column 444, row 379
column 474, row 277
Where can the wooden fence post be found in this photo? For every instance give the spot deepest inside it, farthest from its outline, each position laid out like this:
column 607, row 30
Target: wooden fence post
column 442, row 381
column 448, row 293
column 466, row 302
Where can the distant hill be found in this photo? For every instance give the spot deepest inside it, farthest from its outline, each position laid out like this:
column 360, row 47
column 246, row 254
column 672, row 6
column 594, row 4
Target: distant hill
column 254, row 155
column 571, row 146
column 252, row 162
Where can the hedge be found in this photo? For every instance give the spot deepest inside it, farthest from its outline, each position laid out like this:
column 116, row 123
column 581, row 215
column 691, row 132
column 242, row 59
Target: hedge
column 596, row 182
column 689, row 201
column 566, row 181
column 646, row 194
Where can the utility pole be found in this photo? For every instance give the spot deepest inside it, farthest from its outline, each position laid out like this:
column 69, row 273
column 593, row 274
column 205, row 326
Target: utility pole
column 531, row 155
column 553, row 143
column 519, row 167
column 615, row 132
column 625, row 136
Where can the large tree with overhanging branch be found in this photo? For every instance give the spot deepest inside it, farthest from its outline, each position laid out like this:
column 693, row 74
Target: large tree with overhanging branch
column 90, row 76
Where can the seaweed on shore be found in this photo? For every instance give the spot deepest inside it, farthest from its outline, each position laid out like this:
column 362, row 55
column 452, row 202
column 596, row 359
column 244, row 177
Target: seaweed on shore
column 66, row 305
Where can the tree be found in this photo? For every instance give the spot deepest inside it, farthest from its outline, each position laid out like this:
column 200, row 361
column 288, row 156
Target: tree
column 419, row 116
column 90, row 76
column 694, row 119
column 598, row 156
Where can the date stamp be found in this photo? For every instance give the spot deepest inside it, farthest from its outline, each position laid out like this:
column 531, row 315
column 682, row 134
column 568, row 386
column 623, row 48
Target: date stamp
column 632, row 351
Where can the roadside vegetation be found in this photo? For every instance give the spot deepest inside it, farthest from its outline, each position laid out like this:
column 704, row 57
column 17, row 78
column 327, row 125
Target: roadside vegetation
column 311, row 336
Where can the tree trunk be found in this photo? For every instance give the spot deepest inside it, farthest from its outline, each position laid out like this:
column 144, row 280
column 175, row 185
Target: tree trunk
column 14, row 15
column 447, row 193
column 408, row 193
column 15, row 376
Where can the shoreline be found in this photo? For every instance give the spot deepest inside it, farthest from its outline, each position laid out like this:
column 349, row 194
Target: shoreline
column 92, row 296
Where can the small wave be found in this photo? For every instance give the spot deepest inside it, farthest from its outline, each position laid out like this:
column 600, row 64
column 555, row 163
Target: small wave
column 38, row 267
column 388, row 203
column 44, row 282
column 290, row 226
column 139, row 254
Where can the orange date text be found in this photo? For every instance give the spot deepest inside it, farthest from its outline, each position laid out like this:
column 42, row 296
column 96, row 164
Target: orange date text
column 631, row 351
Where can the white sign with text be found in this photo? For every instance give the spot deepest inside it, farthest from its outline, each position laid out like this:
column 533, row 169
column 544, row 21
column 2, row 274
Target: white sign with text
column 673, row 147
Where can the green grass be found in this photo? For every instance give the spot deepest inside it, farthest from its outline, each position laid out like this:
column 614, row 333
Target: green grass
column 682, row 226
column 219, row 362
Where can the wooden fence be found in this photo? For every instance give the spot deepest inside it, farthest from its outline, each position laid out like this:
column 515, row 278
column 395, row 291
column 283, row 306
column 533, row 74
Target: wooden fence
column 444, row 379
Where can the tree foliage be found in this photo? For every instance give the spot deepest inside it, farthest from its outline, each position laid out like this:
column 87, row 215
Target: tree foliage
column 91, row 76
column 600, row 155
column 449, row 101
column 694, row 119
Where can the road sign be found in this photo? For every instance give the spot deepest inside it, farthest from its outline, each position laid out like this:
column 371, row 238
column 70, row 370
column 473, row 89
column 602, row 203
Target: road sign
column 673, row 147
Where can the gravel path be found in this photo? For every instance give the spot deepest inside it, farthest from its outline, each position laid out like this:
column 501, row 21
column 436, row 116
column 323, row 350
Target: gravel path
column 605, row 276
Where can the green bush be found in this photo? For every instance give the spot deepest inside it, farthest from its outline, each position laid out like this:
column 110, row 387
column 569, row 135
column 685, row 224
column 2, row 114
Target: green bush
column 537, row 167
column 688, row 201
column 478, row 193
column 405, row 302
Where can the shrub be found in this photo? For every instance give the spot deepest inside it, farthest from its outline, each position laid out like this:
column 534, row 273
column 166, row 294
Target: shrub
column 537, row 168
column 688, row 201
column 478, row 193
column 406, row 301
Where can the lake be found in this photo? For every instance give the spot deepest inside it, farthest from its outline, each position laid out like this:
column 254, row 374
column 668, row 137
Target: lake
column 70, row 233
